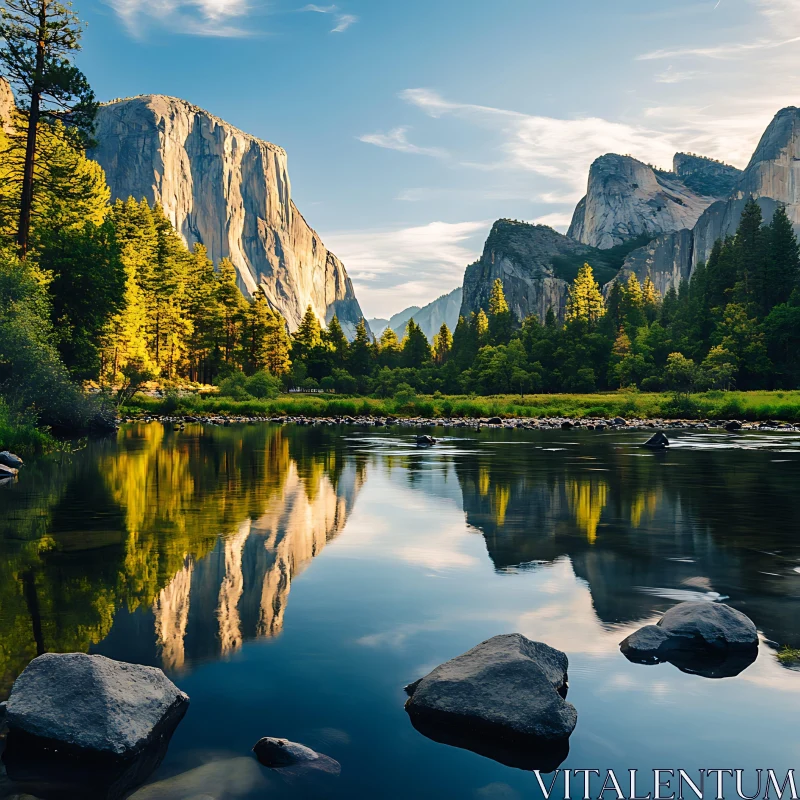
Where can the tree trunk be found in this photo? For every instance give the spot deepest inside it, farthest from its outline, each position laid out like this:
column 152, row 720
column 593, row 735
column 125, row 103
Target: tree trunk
column 26, row 201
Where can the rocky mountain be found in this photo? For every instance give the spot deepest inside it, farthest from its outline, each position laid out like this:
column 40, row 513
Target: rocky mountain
column 6, row 103
column 230, row 192
column 772, row 177
column 705, row 176
column 626, row 199
column 377, row 325
column 536, row 265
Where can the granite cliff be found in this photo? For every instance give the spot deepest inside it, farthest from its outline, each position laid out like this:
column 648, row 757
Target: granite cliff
column 536, row 265
column 626, row 199
column 430, row 317
column 230, row 192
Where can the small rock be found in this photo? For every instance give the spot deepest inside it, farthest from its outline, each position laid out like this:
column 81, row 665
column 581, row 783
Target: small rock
column 494, row 421
column 619, row 421
column 281, row 754
column 425, row 441
column 657, row 441
column 713, row 625
column 645, row 644
column 10, row 460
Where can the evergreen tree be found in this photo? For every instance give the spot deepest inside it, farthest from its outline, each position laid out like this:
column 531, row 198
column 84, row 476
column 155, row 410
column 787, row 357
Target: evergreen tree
column 633, row 308
column 38, row 39
column 307, row 337
column 277, row 344
column 390, row 351
column 751, row 258
column 232, row 309
column 337, row 341
column 361, row 351
column 501, row 323
column 204, row 316
column 442, row 345
column 585, row 301
column 416, row 348
column 783, row 261
column 480, row 323
column 650, row 298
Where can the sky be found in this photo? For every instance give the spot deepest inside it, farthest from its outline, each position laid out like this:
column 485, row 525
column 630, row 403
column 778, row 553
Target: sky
column 411, row 125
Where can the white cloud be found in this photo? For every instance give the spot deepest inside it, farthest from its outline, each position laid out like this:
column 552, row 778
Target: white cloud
column 393, row 269
column 342, row 21
column 396, row 140
column 732, row 50
column 671, row 75
column 560, row 149
column 783, row 15
column 560, row 220
column 197, row 17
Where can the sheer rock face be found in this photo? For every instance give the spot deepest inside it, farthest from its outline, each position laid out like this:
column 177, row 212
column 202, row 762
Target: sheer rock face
column 7, row 104
column 704, row 176
column 228, row 191
column 521, row 256
column 444, row 309
column 627, row 198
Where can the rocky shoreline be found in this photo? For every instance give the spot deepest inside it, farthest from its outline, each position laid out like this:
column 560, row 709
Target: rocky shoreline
column 525, row 423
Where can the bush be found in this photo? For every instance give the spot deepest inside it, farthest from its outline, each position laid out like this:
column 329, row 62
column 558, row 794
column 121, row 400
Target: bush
column 234, row 387
column 263, row 385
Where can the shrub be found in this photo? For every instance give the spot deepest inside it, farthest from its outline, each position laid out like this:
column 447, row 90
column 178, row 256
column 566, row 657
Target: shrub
column 263, row 385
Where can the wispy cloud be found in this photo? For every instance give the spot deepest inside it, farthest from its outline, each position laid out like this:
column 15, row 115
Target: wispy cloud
column 342, row 21
column 560, row 149
column 721, row 51
column 195, row 17
column 393, row 269
column 560, row 220
column 671, row 75
column 396, row 139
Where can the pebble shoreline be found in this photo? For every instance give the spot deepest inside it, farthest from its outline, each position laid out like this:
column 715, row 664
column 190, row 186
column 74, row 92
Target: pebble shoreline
column 545, row 423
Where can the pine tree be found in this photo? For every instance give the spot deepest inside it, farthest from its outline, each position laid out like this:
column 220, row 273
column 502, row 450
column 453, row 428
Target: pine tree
column 337, row 341
column 307, row 337
column 480, row 323
column 361, row 351
column 442, row 345
column 416, row 348
column 501, row 323
column 585, row 301
column 633, row 308
column 204, row 314
column 232, row 308
column 783, row 261
column 38, row 39
column 751, row 258
column 390, row 351
column 650, row 297
column 278, row 345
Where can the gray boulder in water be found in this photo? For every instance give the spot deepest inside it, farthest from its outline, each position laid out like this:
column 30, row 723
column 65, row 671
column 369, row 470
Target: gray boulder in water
column 658, row 441
column 709, row 639
column 10, row 460
column 281, row 754
column 78, row 721
column 425, row 441
column 503, row 699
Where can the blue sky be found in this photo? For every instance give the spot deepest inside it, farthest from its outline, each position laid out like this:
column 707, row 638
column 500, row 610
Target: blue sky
column 412, row 124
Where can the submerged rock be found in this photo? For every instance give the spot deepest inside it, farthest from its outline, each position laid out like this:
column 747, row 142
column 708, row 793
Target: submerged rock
column 74, row 717
column 425, row 441
column 505, row 695
column 709, row 639
column 281, row 754
column 657, row 441
column 10, row 460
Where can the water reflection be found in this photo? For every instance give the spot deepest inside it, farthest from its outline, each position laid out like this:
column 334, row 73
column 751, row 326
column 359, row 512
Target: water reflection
column 171, row 548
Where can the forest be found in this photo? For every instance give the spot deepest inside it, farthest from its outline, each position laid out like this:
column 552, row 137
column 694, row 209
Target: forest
column 107, row 297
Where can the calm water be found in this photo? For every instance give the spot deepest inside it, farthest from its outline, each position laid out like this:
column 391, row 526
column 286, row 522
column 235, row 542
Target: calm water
column 293, row 580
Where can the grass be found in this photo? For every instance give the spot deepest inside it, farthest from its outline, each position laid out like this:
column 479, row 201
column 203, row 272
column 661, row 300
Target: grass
column 789, row 655
column 21, row 435
column 746, row 406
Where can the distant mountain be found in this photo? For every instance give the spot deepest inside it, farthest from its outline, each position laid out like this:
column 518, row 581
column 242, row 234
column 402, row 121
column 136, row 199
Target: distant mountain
column 397, row 322
column 378, row 326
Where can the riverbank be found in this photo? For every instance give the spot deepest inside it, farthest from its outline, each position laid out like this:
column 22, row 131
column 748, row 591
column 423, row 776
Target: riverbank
column 22, row 436
column 783, row 406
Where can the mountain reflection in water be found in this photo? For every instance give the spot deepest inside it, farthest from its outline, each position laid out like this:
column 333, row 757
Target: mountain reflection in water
column 174, row 548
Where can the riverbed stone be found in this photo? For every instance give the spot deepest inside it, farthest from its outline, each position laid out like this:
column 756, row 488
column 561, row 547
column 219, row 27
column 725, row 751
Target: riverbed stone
column 658, row 441
column 10, row 460
column 645, row 644
column 508, row 687
column 281, row 754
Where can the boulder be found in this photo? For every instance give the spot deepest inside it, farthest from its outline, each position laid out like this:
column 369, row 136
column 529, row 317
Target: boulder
column 733, row 425
column 657, row 441
column 567, row 426
column 709, row 639
column 506, row 694
column 281, row 754
column 709, row 625
column 10, row 460
column 72, row 715
column 425, row 441
column 619, row 421
column 494, row 421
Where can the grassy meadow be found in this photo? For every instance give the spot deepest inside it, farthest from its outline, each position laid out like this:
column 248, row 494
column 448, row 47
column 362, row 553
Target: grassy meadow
column 752, row 406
